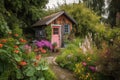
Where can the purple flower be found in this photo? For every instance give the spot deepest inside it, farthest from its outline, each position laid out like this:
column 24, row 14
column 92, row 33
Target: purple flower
column 92, row 68
column 44, row 43
column 84, row 63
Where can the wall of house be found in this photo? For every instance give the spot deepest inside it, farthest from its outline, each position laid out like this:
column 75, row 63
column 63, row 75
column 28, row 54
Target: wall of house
column 62, row 20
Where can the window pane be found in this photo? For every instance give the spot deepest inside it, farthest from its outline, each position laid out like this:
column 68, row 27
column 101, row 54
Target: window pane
column 55, row 30
column 66, row 28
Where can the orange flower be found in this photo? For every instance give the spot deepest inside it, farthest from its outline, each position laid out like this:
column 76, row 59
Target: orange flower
column 16, row 35
column 43, row 51
column 23, row 63
column 3, row 40
column 16, row 51
column 1, row 45
column 22, row 40
column 15, row 46
column 38, row 57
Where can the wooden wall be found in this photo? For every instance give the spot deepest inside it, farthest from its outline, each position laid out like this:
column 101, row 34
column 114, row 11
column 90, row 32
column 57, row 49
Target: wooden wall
column 62, row 20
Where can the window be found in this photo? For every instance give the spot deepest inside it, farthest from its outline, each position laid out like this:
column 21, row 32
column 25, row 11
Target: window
column 40, row 33
column 55, row 31
column 66, row 28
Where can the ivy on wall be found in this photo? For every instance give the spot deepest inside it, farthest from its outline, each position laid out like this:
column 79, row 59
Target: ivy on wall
column 48, row 31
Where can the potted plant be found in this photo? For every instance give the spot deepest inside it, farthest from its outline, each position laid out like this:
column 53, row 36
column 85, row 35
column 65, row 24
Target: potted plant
column 54, row 46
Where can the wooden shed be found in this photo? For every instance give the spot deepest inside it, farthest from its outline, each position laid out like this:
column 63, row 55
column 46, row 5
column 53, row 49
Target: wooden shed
column 61, row 24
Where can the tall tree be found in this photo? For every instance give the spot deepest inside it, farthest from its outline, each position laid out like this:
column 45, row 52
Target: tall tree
column 95, row 5
column 114, row 11
column 21, row 12
column 87, row 20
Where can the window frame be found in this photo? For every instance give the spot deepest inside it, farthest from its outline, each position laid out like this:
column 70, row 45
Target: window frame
column 55, row 32
column 66, row 29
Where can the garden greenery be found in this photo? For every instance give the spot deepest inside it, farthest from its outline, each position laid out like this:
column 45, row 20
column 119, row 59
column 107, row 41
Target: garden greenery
column 19, row 60
column 48, row 31
column 85, row 65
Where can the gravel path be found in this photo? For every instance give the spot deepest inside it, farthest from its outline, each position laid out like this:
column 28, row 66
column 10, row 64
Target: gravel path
column 61, row 74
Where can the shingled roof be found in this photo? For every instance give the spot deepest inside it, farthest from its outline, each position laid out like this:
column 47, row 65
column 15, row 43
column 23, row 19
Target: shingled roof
column 48, row 19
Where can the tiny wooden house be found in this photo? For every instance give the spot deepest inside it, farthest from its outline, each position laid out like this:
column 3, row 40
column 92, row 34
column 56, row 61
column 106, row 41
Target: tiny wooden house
column 61, row 24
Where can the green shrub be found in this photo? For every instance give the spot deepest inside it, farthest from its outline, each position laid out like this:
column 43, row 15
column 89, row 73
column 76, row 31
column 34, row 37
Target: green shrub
column 4, row 29
column 17, row 30
column 70, row 56
column 49, row 75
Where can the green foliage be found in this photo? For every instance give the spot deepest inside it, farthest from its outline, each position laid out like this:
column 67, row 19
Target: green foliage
column 17, row 30
column 113, row 9
column 107, row 35
column 21, row 13
column 66, row 62
column 5, row 75
column 4, row 29
column 18, row 61
column 75, row 59
column 109, row 59
column 95, row 5
column 49, row 75
column 70, row 56
column 48, row 31
column 87, row 20
column 84, row 73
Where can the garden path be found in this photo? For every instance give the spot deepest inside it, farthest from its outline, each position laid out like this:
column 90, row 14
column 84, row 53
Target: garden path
column 61, row 74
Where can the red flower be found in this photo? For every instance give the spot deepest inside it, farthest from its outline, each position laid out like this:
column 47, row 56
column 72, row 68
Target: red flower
column 38, row 57
column 23, row 63
column 22, row 40
column 1, row 45
column 16, row 51
column 3, row 40
column 15, row 46
column 43, row 51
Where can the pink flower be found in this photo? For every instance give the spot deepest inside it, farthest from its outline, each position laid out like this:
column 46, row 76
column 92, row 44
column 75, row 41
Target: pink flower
column 27, row 48
column 84, row 63
column 92, row 68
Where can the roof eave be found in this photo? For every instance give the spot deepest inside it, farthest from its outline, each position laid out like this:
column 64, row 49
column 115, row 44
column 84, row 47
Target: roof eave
column 73, row 21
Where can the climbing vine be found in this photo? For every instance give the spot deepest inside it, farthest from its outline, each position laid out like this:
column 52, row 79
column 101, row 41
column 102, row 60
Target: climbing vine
column 48, row 31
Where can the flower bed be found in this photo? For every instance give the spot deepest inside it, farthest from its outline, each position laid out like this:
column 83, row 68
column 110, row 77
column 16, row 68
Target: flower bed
column 19, row 61
column 82, row 63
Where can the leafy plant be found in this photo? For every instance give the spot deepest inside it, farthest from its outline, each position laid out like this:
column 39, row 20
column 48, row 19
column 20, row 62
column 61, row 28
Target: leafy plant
column 109, row 59
column 18, row 61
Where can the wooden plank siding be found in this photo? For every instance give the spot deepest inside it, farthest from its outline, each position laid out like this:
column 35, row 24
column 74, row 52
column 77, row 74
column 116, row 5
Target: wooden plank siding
column 62, row 20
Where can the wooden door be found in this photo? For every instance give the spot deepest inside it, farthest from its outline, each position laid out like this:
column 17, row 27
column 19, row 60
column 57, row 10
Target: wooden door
column 56, row 35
